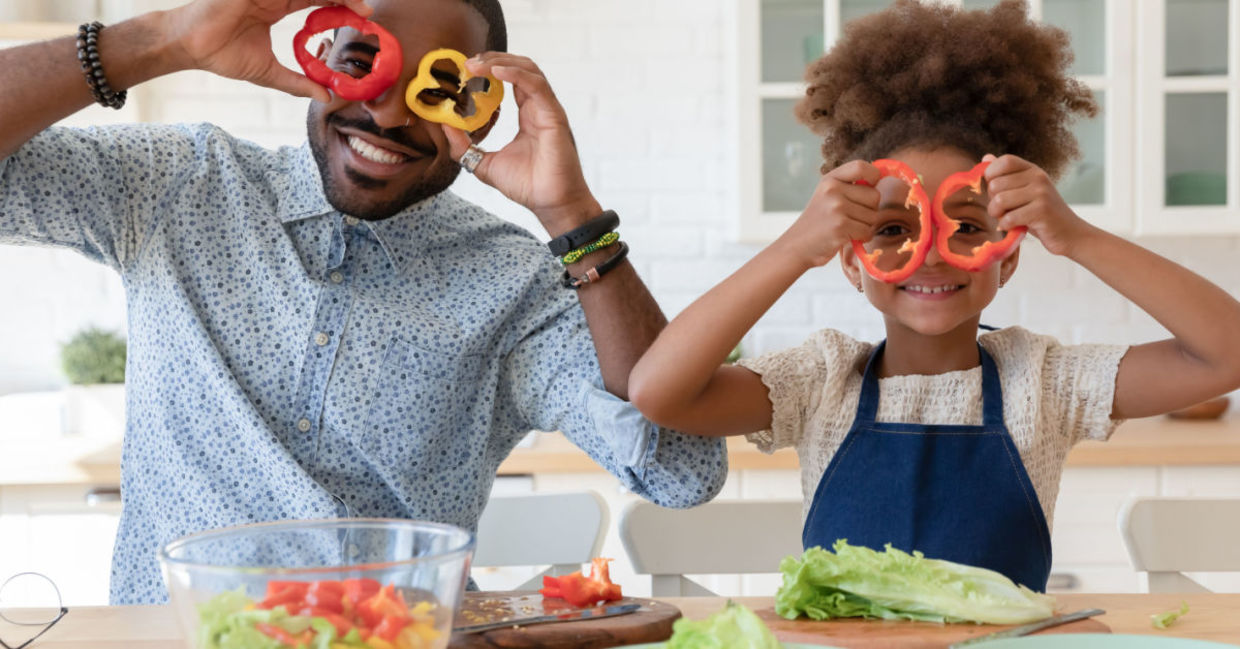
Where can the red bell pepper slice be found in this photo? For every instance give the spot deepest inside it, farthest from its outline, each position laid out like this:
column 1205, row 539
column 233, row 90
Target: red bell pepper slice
column 391, row 626
column 289, row 594
column 356, row 590
column 577, row 590
column 945, row 226
column 326, row 595
column 385, row 603
column 384, row 69
column 920, row 247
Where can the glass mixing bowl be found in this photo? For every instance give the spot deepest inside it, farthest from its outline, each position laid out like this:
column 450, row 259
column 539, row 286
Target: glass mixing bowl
column 351, row 582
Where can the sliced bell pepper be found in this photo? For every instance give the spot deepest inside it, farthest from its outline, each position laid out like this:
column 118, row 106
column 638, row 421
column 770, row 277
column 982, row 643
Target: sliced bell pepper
column 485, row 103
column 326, row 595
column 284, row 637
column 981, row 256
column 384, row 69
column 289, row 594
column 921, row 247
column 578, row 590
column 385, row 603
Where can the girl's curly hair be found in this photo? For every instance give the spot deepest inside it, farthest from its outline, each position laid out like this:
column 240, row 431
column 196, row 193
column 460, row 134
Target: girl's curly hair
column 931, row 75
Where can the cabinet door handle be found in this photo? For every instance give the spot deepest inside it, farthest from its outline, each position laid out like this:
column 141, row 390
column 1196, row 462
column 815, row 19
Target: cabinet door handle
column 102, row 495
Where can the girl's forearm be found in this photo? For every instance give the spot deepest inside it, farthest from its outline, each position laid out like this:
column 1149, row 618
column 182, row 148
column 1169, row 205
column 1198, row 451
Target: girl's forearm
column 1203, row 318
column 676, row 369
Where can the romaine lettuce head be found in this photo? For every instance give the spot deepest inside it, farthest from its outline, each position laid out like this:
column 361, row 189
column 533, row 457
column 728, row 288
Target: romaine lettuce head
column 856, row 581
column 735, row 627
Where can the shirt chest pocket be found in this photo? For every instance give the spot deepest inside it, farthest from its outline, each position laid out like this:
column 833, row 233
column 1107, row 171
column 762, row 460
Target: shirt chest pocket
column 422, row 403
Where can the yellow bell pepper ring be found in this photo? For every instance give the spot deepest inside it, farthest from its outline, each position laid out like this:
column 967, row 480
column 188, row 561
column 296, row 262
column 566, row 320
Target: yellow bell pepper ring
column 467, row 108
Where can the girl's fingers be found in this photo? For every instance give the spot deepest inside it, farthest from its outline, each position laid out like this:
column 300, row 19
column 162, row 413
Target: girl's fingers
column 856, row 171
column 1023, row 215
column 1004, row 165
column 1010, row 200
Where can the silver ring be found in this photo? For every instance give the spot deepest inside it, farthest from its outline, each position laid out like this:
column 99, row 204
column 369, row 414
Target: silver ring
column 472, row 158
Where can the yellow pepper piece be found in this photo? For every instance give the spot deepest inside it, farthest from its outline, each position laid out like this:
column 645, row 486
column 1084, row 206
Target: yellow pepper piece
column 376, row 642
column 444, row 112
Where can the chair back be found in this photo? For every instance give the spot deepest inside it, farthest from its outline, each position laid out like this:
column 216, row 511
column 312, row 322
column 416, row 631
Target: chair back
column 720, row 537
column 559, row 530
column 1167, row 537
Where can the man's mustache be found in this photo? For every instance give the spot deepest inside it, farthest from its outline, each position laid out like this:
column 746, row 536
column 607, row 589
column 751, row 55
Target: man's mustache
column 394, row 135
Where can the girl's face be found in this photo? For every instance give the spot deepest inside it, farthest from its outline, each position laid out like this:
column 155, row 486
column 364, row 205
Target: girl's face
column 938, row 298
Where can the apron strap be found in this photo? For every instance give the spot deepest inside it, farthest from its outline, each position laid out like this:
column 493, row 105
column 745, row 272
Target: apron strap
column 992, row 389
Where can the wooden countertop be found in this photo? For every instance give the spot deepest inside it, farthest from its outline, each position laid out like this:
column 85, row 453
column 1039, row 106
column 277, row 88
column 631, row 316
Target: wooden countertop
column 1211, row 617
column 1154, row 441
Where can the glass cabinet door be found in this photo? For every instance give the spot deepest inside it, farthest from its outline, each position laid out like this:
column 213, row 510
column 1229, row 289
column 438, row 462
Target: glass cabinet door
column 1190, row 141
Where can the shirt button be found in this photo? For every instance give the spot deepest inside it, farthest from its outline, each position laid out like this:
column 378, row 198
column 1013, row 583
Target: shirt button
column 336, row 277
column 303, row 425
column 350, row 220
column 321, row 339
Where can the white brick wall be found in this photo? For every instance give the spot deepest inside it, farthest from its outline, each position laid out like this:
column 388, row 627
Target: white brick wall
column 644, row 84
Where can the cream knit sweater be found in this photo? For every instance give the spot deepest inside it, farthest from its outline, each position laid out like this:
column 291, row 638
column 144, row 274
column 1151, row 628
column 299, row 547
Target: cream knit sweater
column 1053, row 396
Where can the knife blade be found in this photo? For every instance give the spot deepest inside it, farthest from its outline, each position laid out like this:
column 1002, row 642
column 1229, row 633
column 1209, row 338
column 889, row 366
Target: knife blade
column 1033, row 627
column 568, row 616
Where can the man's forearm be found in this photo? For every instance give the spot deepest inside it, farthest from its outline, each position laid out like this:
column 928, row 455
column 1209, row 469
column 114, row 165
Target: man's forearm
column 42, row 83
column 624, row 320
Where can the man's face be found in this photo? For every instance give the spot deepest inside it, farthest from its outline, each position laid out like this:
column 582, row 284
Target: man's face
column 376, row 157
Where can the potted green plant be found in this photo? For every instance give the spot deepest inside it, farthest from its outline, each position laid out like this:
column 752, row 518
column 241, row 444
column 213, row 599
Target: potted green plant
column 94, row 362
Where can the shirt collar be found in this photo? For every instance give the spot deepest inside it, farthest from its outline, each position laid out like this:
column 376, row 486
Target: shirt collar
column 403, row 236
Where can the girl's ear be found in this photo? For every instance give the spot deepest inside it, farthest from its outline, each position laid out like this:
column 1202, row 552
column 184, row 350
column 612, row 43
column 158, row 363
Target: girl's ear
column 1008, row 266
column 850, row 265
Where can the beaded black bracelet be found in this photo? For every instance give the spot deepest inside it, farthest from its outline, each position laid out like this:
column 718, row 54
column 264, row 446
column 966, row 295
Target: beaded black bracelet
column 596, row 273
column 591, row 230
column 88, row 56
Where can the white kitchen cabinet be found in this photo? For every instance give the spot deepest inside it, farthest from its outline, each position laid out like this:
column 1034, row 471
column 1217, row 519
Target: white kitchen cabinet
column 63, row 531
column 1162, row 158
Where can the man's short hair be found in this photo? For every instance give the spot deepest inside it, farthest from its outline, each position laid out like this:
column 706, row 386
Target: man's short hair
column 497, row 29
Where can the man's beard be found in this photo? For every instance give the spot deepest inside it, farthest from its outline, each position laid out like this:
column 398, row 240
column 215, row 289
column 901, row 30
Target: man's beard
column 354, row 203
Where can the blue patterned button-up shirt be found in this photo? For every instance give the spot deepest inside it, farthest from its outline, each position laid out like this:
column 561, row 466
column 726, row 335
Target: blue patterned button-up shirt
column 286, row 361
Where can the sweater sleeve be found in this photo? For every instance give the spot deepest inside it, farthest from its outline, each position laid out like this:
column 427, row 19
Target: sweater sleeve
column 1080, row 381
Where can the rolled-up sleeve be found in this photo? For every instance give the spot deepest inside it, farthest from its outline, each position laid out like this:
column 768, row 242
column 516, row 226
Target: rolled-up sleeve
column 554, row 382
column 96, row 190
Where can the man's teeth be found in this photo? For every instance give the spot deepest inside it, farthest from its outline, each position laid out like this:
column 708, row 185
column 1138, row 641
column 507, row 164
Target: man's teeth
column 374, row 153
column 930, row 289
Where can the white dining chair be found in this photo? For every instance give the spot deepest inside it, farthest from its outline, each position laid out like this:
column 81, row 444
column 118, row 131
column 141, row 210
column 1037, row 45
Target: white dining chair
column 720, row 537
column 558, row 530
column 1167, row 537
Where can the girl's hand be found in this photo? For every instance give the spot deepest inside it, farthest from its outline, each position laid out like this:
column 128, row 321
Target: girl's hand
column 539, row 168
column 232, row 38
column 1022, row 194
column 839, row 211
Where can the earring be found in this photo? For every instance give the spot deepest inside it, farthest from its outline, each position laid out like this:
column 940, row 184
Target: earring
column 860, row 289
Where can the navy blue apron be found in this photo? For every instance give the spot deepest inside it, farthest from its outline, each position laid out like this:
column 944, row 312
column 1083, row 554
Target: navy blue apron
column 958, row 493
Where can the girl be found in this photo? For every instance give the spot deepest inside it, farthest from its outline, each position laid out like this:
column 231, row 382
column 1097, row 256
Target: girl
column 937, row 440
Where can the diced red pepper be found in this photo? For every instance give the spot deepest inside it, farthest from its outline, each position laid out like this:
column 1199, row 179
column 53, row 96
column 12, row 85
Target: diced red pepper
column 920, row 247
column 326, row 595
column 357, row 590
column 983, row 255
column 387, row 602
column 391, row 626
column 289, row 594
column 384, row 69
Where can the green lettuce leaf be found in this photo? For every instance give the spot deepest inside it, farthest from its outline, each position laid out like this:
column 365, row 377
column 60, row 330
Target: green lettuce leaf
column 1164, row 620
column 735, row 627
column 859, row 582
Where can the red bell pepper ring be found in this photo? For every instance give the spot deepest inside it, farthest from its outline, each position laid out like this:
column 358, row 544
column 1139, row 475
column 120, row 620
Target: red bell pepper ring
column 921, row 247
column 384, row 69
column 981, row 256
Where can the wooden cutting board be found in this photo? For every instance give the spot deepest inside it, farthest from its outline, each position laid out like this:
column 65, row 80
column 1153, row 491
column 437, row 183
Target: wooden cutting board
column 887, row 634
column 651, row 623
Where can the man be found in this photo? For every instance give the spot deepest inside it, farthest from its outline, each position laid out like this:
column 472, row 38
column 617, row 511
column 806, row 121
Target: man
column 327, row 331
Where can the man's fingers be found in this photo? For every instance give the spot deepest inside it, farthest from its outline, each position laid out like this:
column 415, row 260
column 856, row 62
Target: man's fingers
column 283, row 79
column 358, row 6
column 458, row 144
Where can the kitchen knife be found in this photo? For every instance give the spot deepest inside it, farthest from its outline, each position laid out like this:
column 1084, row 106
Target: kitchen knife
column 1018, row 631
column 567, row 616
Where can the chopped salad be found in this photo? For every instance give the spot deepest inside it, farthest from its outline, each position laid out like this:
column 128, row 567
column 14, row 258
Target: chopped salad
column 348, row 614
